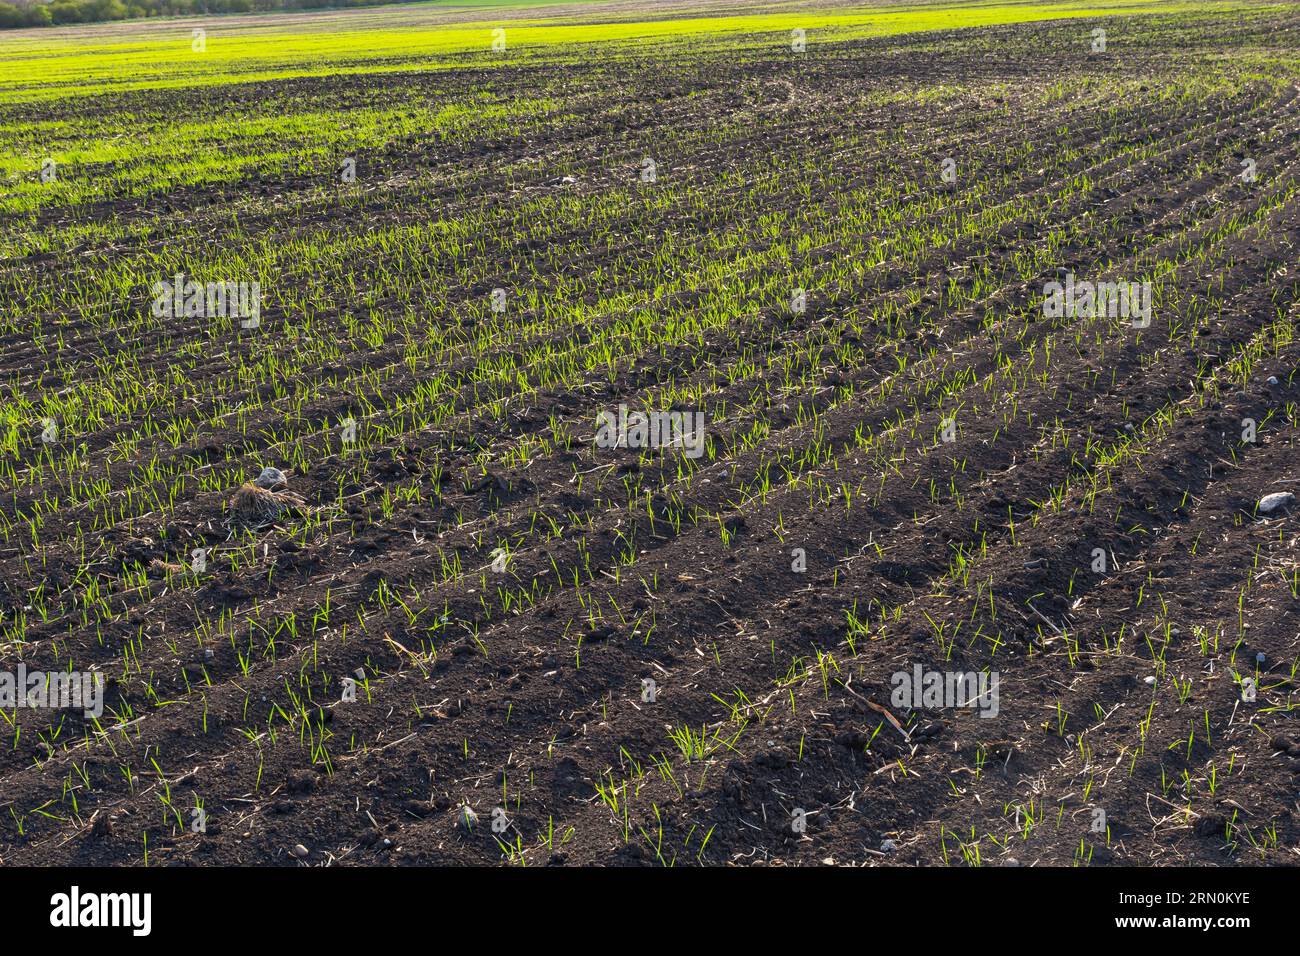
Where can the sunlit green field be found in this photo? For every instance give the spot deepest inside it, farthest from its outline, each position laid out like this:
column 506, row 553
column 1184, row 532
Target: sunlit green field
column 35, row 67
column 42, row 72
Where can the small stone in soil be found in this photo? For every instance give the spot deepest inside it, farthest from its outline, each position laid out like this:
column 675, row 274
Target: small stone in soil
column 1279, row 499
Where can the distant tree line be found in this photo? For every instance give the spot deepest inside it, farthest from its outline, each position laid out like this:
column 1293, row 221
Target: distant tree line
column 56, row 12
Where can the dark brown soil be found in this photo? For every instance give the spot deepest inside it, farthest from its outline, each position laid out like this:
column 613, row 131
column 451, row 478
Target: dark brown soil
column 964, row 556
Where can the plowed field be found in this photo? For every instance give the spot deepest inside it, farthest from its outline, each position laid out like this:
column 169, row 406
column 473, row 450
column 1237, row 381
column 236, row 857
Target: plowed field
column 458, row 598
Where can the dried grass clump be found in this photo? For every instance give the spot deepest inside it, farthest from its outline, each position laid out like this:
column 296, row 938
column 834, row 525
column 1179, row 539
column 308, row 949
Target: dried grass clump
column 254, row 505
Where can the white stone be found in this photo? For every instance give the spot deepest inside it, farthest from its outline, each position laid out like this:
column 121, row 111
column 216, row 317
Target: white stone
column 1279, row 499
column 271, row 478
